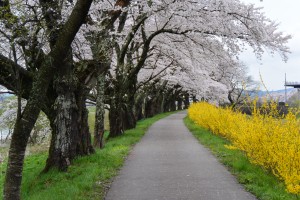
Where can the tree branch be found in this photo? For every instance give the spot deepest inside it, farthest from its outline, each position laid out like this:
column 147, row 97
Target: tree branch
column 8, row 79
column 129, row 38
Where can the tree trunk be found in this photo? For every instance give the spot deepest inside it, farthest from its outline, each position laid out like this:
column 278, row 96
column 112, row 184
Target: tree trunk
column 195, row 100
column 115, row 118
column 173, row 104
column 167, row 105
column 186, row 101
column 121, row 114
column 179, row 103
column 149, row 108
column 84, row 142
column 100, row 111
column 41, row 82
column 129, row 120
column 22, row 129
column 153, row 106
column 65, row 121
column 157, row 104
column 65, row 129
column 70, row 131
column 138, row 108
column 163, row 103
column 66, row 115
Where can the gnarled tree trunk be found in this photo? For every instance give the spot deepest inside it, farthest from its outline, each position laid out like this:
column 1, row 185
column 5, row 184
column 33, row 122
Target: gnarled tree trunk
column 71, row 135
column 64, row 130
column 115, row 117
column 70, row 131
column 100, row 111
column 43, row 77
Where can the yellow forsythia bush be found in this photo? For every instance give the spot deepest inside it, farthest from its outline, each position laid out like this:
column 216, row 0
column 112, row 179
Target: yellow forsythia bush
column 272, row 142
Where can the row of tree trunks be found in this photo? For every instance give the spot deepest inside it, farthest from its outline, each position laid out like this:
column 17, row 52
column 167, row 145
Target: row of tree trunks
column 165, row 102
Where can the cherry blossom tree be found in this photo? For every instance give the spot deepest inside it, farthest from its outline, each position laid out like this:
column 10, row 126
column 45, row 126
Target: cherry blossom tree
column 175, row 46
column 231, row 25
column 22, row 36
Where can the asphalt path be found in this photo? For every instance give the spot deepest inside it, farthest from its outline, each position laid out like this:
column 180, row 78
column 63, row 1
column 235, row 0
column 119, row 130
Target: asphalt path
column 170, row 164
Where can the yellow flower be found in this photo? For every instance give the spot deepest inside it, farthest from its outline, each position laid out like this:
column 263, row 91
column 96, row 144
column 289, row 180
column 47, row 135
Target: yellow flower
column 268, row 139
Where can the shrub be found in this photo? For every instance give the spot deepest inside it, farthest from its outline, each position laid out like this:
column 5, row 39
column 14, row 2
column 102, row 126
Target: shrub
column 267, row 138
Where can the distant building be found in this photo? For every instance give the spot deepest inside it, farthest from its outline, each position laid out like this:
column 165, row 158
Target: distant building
column 292, row 84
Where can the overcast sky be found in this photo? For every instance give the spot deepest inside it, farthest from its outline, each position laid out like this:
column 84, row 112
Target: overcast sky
column 272, row 69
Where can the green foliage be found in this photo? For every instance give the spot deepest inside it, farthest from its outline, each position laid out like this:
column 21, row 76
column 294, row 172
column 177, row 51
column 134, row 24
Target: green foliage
column 87, row 178
column 256, row 180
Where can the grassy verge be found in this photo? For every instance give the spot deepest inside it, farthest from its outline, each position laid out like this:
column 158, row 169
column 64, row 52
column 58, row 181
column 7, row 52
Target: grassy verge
column 88, row 177
column 255, row 179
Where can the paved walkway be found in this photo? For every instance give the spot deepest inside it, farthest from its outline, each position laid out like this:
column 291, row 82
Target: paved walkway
column 170, row 164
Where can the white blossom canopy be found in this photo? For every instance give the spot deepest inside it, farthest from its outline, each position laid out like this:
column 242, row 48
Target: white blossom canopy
column 190, row 40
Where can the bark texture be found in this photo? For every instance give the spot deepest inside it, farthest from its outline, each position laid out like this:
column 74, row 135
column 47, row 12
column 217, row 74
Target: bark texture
column 25, row 123
column 100, row 111
column 116, row 127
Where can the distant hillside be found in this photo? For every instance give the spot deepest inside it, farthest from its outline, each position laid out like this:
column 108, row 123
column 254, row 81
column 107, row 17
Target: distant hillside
column 277, row 94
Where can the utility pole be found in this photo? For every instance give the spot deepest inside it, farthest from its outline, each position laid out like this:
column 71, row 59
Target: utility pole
column 285, row 96
column 298, row 90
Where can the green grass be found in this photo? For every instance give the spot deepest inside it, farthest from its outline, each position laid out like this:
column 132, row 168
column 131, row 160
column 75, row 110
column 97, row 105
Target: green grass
column 87, row 178
column 260, row 182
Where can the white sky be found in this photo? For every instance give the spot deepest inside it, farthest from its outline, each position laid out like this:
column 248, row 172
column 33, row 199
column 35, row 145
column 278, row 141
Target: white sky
column 272, row 69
